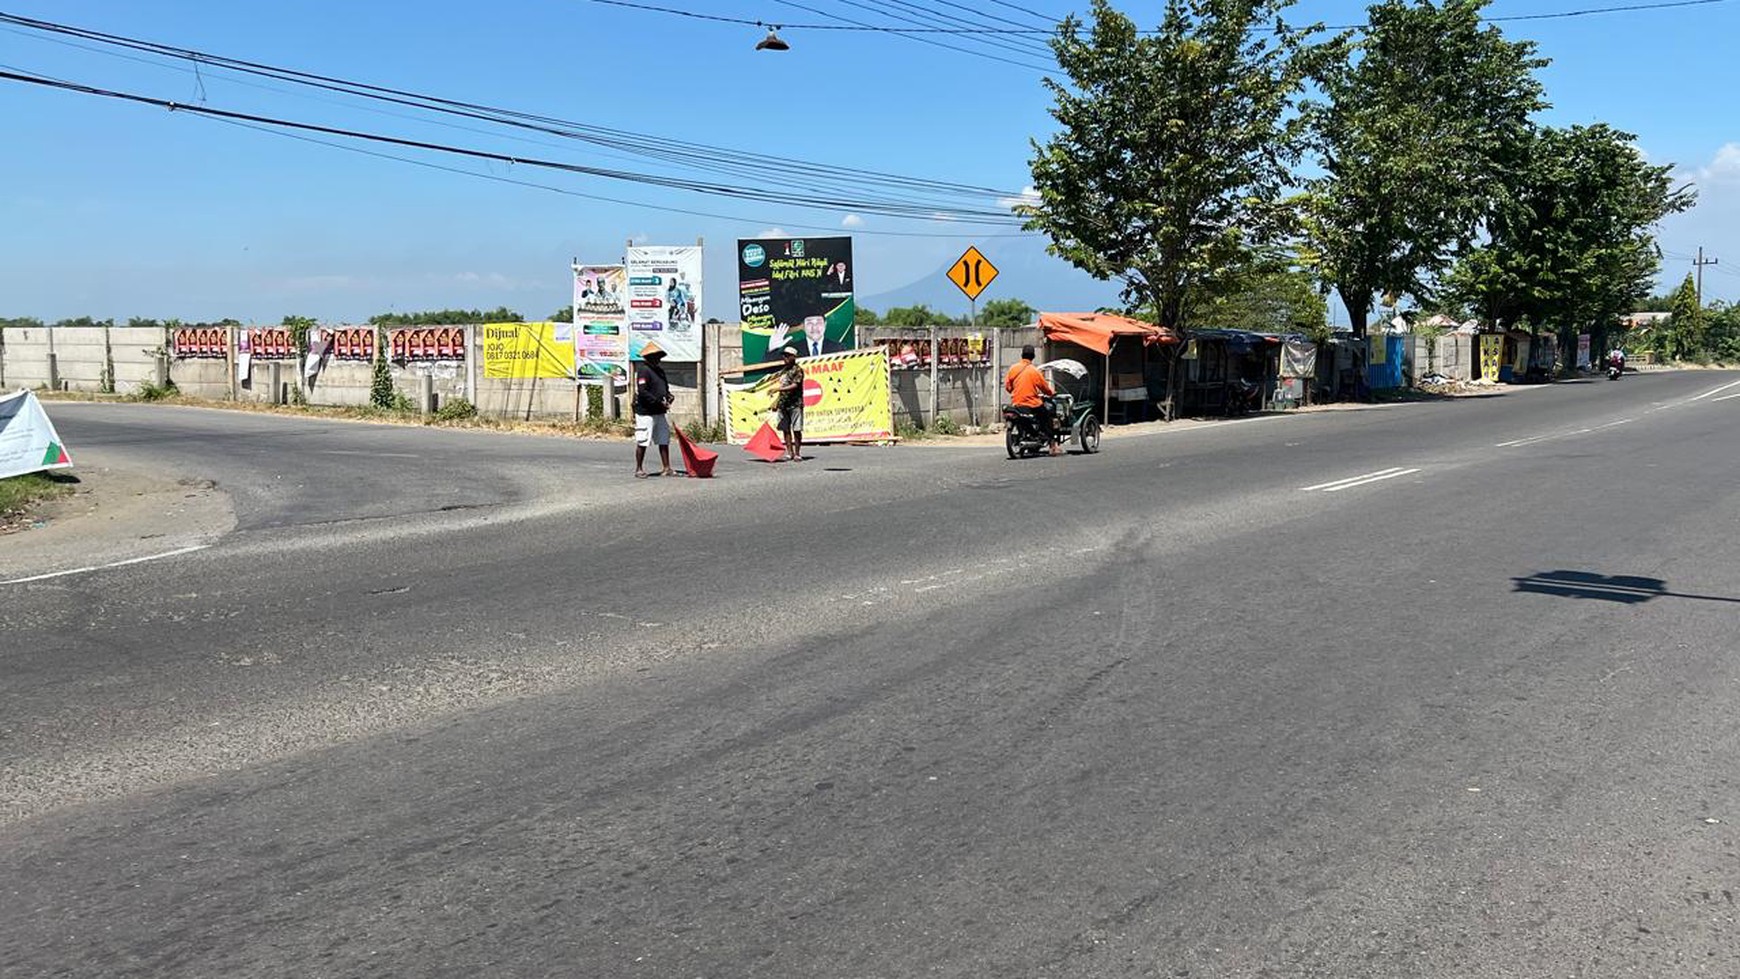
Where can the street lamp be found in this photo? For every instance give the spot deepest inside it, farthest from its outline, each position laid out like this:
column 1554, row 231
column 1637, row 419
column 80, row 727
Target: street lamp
column 773, row 42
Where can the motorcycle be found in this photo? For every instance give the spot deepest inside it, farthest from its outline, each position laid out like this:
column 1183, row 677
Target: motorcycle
column 1614, row 369
column 1026, row 434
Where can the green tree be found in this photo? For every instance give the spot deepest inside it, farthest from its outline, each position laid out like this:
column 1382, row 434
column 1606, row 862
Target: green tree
column 1173, row 147
column 84, row 321
column 447, row 317
column 1007, row 313
column 1571, row 245
column 919, row 315
column 1683, row 336
column 1420, row 123
column 863, row 316
column 20, row 323
column 564, row 314
column 1275, row 298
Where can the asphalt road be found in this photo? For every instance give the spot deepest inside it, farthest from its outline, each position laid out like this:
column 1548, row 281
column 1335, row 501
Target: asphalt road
column 1206, row 704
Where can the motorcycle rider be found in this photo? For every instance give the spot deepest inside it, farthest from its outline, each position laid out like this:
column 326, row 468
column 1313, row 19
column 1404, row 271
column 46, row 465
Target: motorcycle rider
column 1029, row 389
column 1616, row 360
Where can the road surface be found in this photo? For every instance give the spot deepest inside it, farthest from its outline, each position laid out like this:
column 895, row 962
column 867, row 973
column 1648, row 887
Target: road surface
column 1443, row 689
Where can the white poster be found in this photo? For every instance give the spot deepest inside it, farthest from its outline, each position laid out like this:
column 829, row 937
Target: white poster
column 664, row 300
column 28, row 441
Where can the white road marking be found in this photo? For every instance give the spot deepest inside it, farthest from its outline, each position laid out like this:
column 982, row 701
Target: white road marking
column 1727, row 397
column 1622, row 421
column 1350, row 480
column 1370, row 480
column 1730, row 384
column 112, row 564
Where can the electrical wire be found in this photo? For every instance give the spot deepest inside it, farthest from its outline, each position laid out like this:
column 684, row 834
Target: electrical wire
column 568, row 192
column 1019, row 45
column 676, row 152
column 888, row 29
column 899, row 211
column 915, row 35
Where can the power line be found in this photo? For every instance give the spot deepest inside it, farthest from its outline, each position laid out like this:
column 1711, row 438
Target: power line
column 889, row 29
column 921, row 211
column 1019, row 45
column 567, row 192
column 677, row 152
column 915, row 34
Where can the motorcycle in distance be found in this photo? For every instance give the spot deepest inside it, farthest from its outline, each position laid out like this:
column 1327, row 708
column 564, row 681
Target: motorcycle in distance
column 1075, row 421
column 1615, row 368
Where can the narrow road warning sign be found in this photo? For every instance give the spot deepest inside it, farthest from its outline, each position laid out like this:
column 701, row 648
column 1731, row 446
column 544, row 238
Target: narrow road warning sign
column 972, row 273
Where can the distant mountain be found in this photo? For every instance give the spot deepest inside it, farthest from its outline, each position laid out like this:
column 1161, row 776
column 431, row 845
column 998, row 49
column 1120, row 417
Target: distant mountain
column 1025, row 272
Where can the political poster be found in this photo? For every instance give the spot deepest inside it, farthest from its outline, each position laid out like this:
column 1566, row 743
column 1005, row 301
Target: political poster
column 846, row 399
column 1583, row 358
column 664, row 300
column 28, row 441
column 797, row 291
column 524, row 351
column 600, row 322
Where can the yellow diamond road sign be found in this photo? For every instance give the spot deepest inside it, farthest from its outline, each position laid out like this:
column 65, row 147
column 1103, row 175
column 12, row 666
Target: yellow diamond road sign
column 972, row 273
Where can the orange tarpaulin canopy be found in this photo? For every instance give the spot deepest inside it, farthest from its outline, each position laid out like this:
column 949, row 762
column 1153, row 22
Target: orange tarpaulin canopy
column 1097, row 331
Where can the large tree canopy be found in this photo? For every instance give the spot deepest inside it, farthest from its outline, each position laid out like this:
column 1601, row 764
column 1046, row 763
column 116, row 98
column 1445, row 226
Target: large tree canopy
column 1572, row 243
column 1173, row 147
column 1420, row 125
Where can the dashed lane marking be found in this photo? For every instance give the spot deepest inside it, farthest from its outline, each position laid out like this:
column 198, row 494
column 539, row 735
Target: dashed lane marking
column 1336, row 486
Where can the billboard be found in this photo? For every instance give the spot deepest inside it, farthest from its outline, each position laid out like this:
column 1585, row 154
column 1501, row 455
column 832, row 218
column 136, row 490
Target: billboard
column 846, row 399
column 522, row 351
column 600, row 322
column 664, row 300
column 795, row 290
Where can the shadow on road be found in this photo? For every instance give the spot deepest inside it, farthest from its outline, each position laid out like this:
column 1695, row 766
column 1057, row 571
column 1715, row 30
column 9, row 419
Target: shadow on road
column 1624, row 589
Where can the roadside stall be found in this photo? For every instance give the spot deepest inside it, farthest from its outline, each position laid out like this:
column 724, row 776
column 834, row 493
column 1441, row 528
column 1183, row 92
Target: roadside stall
column 1231, row 372
column 1118, row 352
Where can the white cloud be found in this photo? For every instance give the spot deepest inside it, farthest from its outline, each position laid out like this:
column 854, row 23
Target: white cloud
column 851, row 221
column 1725, row 166
column 772, row 233
column 1028, row 197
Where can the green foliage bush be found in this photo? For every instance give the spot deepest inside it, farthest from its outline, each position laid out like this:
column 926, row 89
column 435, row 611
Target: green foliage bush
column 455, row 409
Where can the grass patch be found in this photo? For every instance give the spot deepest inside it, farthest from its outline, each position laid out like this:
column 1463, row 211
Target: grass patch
column 19, row 493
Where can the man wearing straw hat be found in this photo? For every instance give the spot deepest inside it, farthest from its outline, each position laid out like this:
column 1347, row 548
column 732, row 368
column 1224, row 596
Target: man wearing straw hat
column 788, row 399
column 652, row 398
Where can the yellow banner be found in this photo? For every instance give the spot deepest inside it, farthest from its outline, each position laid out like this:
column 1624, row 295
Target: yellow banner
column 521, row 351
column 1491, row 354
column 846, row 399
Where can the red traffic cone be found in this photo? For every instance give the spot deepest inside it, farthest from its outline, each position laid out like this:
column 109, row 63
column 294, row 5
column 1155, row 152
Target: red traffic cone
column 698, row 462
column 765, row 445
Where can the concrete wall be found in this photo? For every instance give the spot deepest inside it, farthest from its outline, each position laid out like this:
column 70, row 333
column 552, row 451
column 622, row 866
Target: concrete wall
column 969, row 395
column 1451, row 355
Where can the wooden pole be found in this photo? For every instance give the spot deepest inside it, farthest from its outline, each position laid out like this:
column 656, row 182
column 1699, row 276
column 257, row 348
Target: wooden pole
column 1106, row 402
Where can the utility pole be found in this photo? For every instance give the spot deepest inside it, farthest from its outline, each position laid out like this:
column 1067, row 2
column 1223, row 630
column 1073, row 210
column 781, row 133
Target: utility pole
column 1699, row 264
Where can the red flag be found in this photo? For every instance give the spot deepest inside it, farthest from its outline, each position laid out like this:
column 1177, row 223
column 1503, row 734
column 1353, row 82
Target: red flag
column 765, row 445
column 696, row 460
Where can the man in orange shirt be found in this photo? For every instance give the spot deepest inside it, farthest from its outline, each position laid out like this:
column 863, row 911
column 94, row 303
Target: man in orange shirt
column 1028, row 388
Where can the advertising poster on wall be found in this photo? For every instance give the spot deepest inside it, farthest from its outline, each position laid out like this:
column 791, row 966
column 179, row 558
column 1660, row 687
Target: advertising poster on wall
column 795, row 290
column 523, row 351
column 664, row 300
column 846, row 399
column 600, row 322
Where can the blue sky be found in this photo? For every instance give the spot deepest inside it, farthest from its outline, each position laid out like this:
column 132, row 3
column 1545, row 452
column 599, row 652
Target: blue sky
column 118, row 210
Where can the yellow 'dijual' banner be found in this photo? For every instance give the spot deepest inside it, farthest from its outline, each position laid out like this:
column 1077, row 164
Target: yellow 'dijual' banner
column 846, row 399
column 521, row 351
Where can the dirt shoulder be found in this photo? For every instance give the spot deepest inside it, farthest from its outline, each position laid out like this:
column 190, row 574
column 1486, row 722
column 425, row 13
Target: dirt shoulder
column 114, row 515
